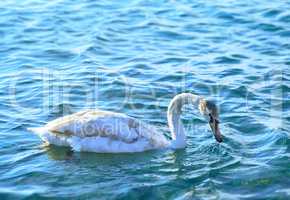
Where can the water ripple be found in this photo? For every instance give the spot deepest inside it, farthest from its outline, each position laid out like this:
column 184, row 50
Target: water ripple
column 59, row 57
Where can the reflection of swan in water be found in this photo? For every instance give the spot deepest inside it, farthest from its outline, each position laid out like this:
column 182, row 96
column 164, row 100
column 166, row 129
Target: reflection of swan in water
column 105, row 131
column 58, row 152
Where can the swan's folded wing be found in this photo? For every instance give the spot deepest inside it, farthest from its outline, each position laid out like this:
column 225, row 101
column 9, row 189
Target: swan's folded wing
column 70, row 124
column 95, row 123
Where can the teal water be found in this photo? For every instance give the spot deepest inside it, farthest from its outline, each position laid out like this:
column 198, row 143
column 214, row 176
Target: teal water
column 58, row 57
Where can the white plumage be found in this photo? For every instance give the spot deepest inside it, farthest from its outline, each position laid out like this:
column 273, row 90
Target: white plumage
column 101, row 131
column 110, row 132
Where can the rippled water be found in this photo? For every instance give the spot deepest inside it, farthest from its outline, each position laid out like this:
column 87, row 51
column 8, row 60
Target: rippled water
column 58, row 57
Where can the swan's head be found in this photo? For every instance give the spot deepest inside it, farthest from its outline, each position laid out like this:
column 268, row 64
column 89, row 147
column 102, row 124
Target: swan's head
column 209, row 110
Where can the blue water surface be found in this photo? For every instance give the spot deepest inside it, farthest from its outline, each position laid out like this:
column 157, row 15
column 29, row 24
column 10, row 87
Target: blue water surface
column 61, row 56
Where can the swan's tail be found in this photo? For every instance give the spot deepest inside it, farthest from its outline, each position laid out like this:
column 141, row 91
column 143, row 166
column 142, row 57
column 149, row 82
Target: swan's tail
column 48, row 137
column 40, row 131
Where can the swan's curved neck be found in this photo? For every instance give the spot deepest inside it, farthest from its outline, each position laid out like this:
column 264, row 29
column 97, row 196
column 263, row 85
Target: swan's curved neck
column 173, row 117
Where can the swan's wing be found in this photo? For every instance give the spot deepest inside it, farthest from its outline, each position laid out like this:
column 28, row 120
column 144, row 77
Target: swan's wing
column 74, row 123
column 92, row 123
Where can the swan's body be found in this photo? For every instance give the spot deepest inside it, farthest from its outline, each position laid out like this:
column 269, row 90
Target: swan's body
column 110, row 132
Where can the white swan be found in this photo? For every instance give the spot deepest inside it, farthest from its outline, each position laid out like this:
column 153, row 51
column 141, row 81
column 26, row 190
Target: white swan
column 110, row 132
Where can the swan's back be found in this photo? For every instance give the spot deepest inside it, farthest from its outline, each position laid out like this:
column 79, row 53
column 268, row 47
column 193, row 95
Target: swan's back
column 101, row 131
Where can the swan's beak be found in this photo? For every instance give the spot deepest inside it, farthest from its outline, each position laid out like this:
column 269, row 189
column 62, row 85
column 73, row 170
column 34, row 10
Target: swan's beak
column 214, row 125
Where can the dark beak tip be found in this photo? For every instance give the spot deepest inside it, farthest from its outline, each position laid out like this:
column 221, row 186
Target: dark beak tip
column 219, row 139
column 217, row 134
